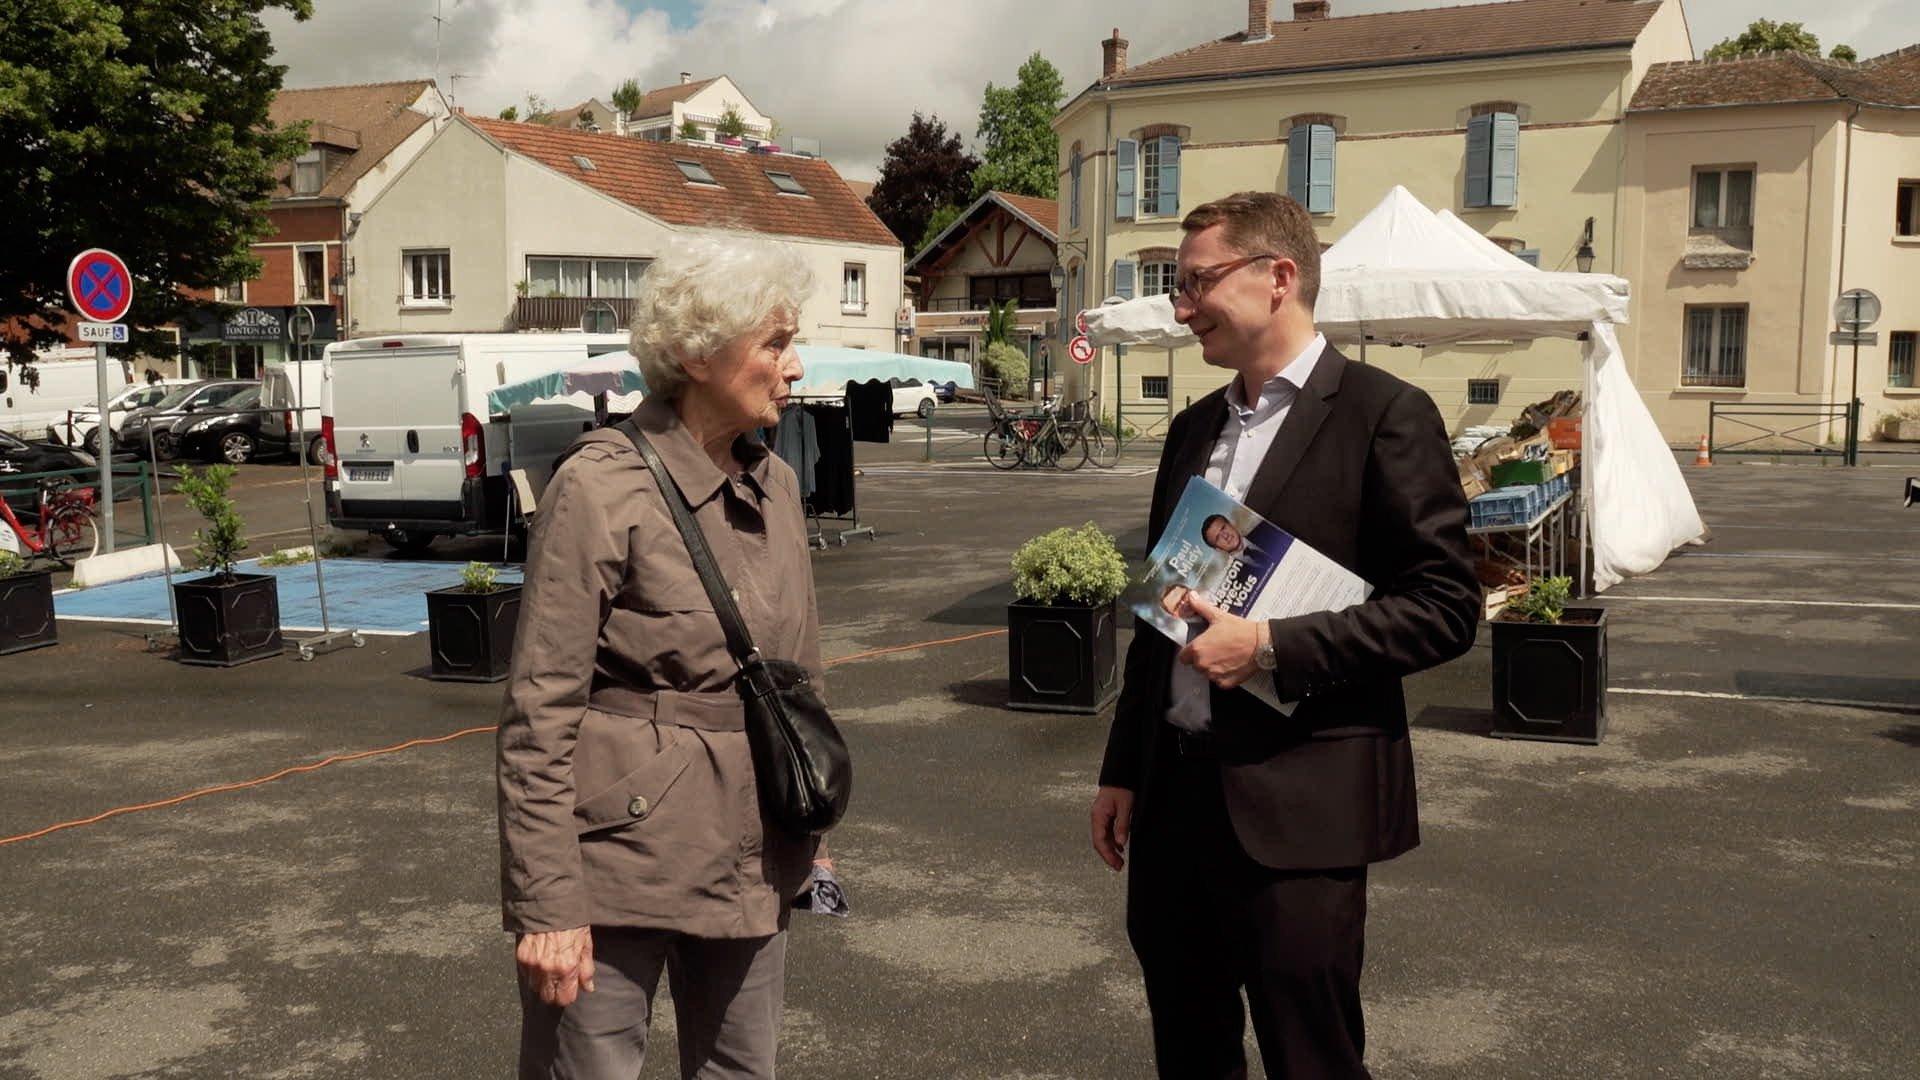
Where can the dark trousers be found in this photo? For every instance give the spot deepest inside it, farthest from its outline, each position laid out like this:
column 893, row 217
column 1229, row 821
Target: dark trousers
column 1207, row 923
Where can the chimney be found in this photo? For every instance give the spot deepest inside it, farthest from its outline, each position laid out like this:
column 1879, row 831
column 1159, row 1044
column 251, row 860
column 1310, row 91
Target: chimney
column 1310, row 10
column 1259, row 26
column 1113, row 55
column 686, row 77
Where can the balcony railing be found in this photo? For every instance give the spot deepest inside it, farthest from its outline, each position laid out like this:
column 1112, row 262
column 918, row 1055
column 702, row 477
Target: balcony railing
column 957, row 303
column 567, row 312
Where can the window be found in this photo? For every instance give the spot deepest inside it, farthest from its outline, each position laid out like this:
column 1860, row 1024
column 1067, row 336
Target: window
column 1906, row 210
column 1310, row 167
column 1027, row 290
column 696, row 173
column 583, row 162
column 1723, row 199
column 580, row 277
column 1483, row 391
column 786, row 183
column 1073, row 188
column 310, row 268
column 1900, row 349
column 429, row 277
column 1153, row 387
column 1124, row 271
column 1716, row 346
column 1156, row 278
column 1493, row 160
column 309, row 172
column 853, row 287
column 235, row 293
column 1152, row 166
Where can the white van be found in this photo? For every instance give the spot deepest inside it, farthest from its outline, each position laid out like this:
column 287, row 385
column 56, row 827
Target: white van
column 31, row 404
column 411, row 451
column 284, row 388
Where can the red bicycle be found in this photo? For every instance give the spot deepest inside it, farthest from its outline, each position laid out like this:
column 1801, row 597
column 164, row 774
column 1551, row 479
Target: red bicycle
column 63, row 526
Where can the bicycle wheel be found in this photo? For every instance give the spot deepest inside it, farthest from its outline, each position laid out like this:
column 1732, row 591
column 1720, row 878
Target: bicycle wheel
column 72, row 533
column 1043, row 449
column 1102, row 449
column 1002, row 452
column 1073, row 447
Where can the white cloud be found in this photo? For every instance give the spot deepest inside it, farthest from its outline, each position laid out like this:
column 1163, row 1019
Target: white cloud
column 848, row 72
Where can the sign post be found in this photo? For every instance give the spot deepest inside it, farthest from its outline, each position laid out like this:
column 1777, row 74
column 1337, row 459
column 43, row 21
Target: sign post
column 101, row 290
column 1855, row 310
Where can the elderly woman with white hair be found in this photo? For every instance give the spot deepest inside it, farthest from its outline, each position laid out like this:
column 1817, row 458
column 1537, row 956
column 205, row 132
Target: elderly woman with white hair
column 631, row 834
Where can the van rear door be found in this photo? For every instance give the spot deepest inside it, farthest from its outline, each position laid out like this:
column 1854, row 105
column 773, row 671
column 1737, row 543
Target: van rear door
column 396, row 425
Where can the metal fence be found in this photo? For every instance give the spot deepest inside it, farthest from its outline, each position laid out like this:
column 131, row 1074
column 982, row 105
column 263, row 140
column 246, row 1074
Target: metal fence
column 1787, row 428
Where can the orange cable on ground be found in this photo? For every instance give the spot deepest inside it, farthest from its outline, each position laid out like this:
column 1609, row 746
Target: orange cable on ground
column 394, row 749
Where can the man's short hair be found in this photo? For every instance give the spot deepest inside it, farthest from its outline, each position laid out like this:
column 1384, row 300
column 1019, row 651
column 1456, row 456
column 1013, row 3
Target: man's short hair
column 1208, row 524
column 1261, row 222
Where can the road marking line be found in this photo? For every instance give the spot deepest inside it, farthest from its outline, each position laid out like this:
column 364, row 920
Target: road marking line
column 302, row 629
column 1770, row 603
column 1719, row 695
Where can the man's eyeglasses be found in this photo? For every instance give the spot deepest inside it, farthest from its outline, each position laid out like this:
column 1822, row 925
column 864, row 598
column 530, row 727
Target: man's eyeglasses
column 1197, row 284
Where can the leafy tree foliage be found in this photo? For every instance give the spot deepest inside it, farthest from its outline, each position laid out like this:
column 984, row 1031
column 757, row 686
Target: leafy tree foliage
column 926, row 171
column 626, row 96
column 1021, row 152
column 1765, row 35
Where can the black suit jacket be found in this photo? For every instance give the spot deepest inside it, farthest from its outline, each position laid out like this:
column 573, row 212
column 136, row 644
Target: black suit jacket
column 1361, row 470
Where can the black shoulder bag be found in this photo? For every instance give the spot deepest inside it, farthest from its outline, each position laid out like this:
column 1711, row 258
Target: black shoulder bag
column 800, row 762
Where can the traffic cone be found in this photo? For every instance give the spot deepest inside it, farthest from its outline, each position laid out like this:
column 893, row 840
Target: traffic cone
column 1705, row 456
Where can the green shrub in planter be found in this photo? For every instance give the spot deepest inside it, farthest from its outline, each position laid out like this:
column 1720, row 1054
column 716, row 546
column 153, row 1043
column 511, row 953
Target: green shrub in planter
column 470, row 626
column 1550, row 667
column 1061, row 627
column 225, row 618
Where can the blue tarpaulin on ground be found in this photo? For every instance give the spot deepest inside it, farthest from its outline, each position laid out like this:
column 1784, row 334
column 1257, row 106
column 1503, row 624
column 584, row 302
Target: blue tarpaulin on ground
column 375, row 596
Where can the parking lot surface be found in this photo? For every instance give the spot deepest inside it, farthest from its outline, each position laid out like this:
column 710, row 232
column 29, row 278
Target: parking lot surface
column 1726, row 887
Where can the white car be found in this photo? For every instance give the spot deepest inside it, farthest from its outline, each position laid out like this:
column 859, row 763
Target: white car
column 916, row 400
column 82, row 426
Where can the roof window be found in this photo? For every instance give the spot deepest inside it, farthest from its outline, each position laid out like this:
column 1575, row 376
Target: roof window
column 585, row 162
column 785, row 182
column 696, row 173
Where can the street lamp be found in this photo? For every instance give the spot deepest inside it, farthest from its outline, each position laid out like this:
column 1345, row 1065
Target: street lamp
column 1583, row 258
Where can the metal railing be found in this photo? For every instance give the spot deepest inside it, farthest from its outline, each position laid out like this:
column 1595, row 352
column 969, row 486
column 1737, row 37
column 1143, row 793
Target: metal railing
column 131, row 480
column 1782, row 428
column 973, row 306
column 566, row 312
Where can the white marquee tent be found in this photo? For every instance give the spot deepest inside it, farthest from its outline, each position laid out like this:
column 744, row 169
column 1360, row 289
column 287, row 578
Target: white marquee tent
column 1406, row 276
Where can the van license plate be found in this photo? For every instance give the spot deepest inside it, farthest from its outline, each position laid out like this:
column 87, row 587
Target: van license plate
column 370, row 473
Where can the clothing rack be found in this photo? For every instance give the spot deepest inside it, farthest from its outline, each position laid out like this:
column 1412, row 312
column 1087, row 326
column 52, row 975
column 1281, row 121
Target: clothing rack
column 805, row 455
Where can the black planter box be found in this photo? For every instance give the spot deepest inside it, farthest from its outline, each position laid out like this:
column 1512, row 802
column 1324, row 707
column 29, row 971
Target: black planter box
column 1550, row 679
column 228, row 622
column 470, row 634
column 1061, row 657
column 26, row 611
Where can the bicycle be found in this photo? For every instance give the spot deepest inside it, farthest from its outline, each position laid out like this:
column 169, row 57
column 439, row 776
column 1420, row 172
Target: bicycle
column 64, row 526
column 1031, row 441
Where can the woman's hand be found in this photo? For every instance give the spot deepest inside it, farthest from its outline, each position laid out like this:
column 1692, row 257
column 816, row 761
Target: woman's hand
column 557, row 964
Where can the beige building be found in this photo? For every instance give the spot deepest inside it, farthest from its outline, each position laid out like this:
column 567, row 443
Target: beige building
column 1000, row 248
column 665, row 112
column 1511, row 115
column 500, row 226
column 1758, row 190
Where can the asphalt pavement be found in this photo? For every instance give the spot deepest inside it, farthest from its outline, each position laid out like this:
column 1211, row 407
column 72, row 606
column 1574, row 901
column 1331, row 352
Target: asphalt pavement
column 1725, row 887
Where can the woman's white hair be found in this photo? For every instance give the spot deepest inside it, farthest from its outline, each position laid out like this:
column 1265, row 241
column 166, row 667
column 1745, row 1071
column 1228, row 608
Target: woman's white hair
column 706, row 291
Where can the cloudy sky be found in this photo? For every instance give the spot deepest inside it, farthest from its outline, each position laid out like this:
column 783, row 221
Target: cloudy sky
column 849, row 73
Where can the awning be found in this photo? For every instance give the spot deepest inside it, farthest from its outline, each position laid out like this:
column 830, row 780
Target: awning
column 611, row 373
column 829, row 368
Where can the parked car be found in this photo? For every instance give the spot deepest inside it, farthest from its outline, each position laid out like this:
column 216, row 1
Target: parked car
column 228, row 432
column 156, row 421
column 20, row 457
column 945, row 392
column 81, row 427
column 917, row 399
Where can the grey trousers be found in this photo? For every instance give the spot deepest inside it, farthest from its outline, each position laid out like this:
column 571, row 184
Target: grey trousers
column 727, row 995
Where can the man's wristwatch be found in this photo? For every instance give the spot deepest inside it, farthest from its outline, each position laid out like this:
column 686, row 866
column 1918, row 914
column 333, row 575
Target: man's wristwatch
column 1263, row 656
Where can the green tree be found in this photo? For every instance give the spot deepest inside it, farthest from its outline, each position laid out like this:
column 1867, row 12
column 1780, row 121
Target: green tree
column 1021, row 153
column 1844, row 52
column 510, row 113
column 732, row 125
column 139, row 126
column 925, row 170
column 690, row 130
column 937, row 223
column 538, row 111
column 1765, row 35
column 1009, row 365
column 1001, row 320
column 626, row 96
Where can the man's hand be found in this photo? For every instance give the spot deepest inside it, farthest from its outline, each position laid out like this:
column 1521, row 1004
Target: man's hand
column 1224, row 652
column 557, row 964
column 1112, row 824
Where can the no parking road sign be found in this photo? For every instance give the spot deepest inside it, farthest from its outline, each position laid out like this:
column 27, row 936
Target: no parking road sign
column 1081, row 350
column 99, row 285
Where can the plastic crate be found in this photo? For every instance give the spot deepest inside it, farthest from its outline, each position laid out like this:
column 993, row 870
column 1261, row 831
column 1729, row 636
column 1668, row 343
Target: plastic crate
column 1507, row 506
column 1514, row 473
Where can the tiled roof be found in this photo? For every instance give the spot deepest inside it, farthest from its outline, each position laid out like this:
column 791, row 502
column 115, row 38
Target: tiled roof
column 660, row 102
column 1780, row 77
column 861, row 188
column 1042, row 212
column 375, row 115
column 1405, row 37
column 642, row 174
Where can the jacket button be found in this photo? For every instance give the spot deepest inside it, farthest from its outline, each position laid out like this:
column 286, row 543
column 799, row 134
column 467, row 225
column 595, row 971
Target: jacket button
column 637, row 807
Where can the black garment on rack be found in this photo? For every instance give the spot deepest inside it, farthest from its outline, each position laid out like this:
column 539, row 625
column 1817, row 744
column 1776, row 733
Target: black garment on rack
column 870, row 407
column 797, row 442
column 833, row 471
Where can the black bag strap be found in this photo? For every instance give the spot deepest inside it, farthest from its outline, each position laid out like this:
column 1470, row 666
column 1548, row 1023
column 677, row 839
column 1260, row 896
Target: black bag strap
column 738, row 640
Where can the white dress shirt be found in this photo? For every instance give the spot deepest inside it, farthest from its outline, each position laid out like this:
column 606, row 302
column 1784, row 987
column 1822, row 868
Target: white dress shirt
column 1244, row 440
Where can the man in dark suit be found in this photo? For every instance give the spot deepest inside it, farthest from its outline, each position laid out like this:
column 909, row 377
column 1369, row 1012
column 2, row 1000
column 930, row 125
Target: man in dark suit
column 1249, row 832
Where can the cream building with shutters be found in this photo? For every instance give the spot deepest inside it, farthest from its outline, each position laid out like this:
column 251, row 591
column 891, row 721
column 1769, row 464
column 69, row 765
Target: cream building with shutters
column 1512, row 115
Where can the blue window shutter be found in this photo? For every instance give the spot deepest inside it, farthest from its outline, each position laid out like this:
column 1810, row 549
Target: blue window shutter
column 1126, row 163
column 1297, row 170
column 1169, row 176
column 1503, row 185
column 1479, row 159
column 1320, row 182
column 1073, row 203
column 1123, row 278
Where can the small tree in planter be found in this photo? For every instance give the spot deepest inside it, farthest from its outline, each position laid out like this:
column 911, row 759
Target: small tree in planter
column 26, row 605
column 1550, row 667
column 470, row 626
column 226, row 618
column 1061, row 654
